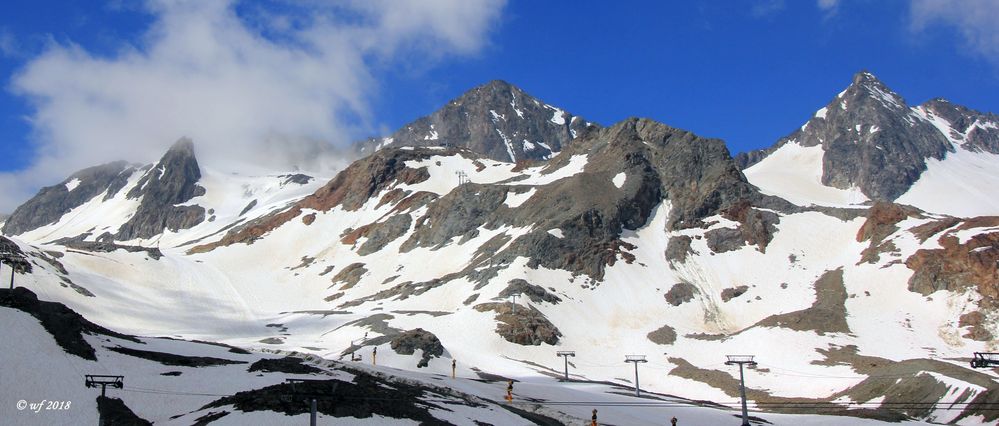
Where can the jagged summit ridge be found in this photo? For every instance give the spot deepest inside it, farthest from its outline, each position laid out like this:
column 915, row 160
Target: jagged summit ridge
column 496, row 119
column 158, row 194
column 52, row 202
column 170, row 182
column 870, row 140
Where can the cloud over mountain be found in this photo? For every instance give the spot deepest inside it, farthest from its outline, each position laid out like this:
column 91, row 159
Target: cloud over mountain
column 280, row 84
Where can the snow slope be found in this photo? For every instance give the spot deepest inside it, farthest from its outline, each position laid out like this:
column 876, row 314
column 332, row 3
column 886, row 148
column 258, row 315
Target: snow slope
column 794, row 172
column 180, row 396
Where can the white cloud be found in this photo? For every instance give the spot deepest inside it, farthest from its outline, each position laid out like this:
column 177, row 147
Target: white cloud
column 829, row 7
column 975, row 20
column 767, row 8
column 279, row 85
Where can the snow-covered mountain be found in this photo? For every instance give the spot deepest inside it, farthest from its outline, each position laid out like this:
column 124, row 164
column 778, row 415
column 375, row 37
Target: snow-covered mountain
column 497, row 119
column 637, row 238
column 868, row 144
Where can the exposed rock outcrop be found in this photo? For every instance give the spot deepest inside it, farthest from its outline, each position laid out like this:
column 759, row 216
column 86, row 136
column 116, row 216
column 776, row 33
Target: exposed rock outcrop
column 526, row 326
column 497, row 120
column 350, row 189
column 664, row 335
column 827, row 313
column 959, row 265
column 408, row 342
column 535, row 293
column 681, row 293
column 871, row 138
column 64, row 324
column 733, row 292
column 882, row 221
column 52, row 202
column 170, row 182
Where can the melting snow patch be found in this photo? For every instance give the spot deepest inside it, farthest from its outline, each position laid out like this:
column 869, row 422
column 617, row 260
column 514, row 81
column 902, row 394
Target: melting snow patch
column 941, row 124
column 822, row 112
column 619, row 179
column 509, row 147
column 528, row 146
column 497, row 116
column 558, row 117
column 557, row 233
column 71, row 185
column 575, row 166
column 385, row 142
column 514, row 200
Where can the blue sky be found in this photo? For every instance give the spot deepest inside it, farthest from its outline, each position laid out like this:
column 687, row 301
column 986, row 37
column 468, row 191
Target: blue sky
column 86, row 82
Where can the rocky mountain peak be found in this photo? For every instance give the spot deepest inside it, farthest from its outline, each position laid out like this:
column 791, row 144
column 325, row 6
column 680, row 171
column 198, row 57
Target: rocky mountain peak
column 871, row 140
column 866, row 90
column 52, row 202
column 176, row 174
column 171, row 181
column 496, row 119
column 973, row 130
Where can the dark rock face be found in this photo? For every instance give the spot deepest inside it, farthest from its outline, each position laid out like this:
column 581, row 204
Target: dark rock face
column 297, row 178
column 882, row 220
column 106, row 246
column 826, row 315
column 536, row 293
column 957, row 265
column 724, row 239
column 114, row 412
column 408, row 342
column 171, row 181
column 733, row 292
column 52, row 202
column 172, row 359
column 497, row 120
column 872, row 140
column 664, row 335
column 526, row 326
column 977, row 131
column 379, row 234
column 288, row 364
column 350, row 275
column 697, row 176
column 12, row 256
column 65, row 325
column 680, row 293
column 337, row 398
column 678, row 248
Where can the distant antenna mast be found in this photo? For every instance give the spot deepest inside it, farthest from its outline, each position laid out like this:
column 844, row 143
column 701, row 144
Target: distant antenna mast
column 566, row 355
column 741, row 360
column 635, row 359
